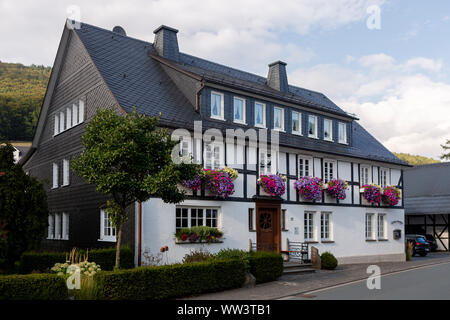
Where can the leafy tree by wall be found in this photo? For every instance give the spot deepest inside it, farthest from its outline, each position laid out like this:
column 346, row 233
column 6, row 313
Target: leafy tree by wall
column 446, row 147
column 23, row 208
column 415, row 160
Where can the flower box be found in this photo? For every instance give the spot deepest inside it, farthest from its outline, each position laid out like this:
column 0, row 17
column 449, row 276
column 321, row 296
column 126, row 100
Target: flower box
column 198, row 234
column 309, row 188
column 272, row 184
column 217, row 183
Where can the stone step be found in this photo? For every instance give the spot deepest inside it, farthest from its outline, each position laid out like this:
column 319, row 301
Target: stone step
column 298, row 270
column 295, row 265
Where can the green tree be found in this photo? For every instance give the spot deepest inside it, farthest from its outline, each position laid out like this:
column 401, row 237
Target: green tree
column 23, row 208
column 129, row 159
column 415, row 160
column 446, row 147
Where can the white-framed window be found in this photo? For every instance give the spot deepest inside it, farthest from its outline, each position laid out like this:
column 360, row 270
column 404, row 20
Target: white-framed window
column 364, row 175
column 51, row 226
column 58, row 228
column 61, row 121
column 328, row 129
column 325, row 226
column 75, row 119
column 304, row 166
column 66, row 172
column 312, row 126
column 370, row 230
column 65, row 226
column 309, row 232
column 278, row 118
column 329, row 170
column 80, row 111
column 187, row 217
column 69, row 117
column 107, row 231
column 381, row 230
column 342, row 132
column 384, row 177
column 55, row 176
column 268, row 163
column 185, row 147
column 296, row 122
column 260, row 115
column 217, row 103
column 213, row 156
column 56, row 126
column 239, row 110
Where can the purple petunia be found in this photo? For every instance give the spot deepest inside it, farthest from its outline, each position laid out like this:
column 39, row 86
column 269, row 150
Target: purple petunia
column 273, row 184
column 309, row 188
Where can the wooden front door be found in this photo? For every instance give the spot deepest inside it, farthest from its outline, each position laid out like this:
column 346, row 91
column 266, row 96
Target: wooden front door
column 268, row 229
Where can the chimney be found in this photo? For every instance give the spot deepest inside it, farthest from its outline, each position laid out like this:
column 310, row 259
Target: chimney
column 166, row 43
column 277, row 77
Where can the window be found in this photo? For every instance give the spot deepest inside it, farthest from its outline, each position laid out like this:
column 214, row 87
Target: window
column 57, row 234
column 278, row 118
column 250, row 219
column 61, row 121
column 364, row 175
column 80, row 111
column 56, row 129
column 369, row 226
column 58, row 226
column 191, row 217
column 267, row 163
column 239, row 110
column 51, row 226
column 213, row 155
column 312, row 126
column 260, row 114
column 55, row 176
column 107, row 231
column 217, row 105
column 296, row 122
column 75, row 115
column 342, row 130
column 328, row 129
column 69, row 117
column 66, row 172
column 304, row 169
column 65, row 226
column 325, row 226
column 329, row 168
column 309, row 226
column 381, row 227
column 383, row 177
column 185, row 147
column 283, row 219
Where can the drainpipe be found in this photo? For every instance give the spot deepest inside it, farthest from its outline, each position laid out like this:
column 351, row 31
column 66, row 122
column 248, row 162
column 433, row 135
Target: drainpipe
column 139, row 227
column 198, row 106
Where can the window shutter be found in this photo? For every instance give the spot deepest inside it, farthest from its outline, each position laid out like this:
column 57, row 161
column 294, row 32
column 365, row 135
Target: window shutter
column 61, row 121
column 81, row 111
column 75, row 114
column 56, row 131
column 69, row 118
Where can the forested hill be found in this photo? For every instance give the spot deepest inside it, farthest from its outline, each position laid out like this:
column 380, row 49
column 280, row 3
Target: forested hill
column 415, row 160
column 22, row 90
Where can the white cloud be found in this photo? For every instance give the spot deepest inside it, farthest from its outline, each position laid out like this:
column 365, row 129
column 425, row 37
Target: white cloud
column 423, row 63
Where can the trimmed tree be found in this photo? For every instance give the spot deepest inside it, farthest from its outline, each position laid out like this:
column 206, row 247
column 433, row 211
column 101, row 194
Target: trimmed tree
column 446, row 147
column 129, row 159
column 23, row 209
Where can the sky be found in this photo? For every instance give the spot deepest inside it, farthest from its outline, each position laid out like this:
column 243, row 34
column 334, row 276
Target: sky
column 388, row 62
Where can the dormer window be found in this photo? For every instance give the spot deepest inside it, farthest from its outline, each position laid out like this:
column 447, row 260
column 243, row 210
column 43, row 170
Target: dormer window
column 328, row 130
column 260, row 115
column 278, row 118
column 296, row 122
column 217, row 105
column 239, row 110
column 312, row 126
column 342, row 132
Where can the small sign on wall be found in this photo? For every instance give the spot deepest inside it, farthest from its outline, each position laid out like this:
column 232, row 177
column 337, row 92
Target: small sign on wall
column 296, row 230
column 397, row 234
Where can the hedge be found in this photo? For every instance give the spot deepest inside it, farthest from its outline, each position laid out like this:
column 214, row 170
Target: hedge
column 43, row 261
column 170, row 281
column 33, row 287
column 265, row 266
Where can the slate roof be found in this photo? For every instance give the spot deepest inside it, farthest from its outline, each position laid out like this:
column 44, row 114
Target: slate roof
column 138, row 80
column 427, row 189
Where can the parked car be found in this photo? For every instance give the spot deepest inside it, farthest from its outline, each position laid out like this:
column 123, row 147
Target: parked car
column 420, row 244
column 432, row 242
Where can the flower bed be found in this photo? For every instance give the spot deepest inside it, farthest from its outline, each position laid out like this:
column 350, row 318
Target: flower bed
column 218, row 182
column 336, row 188
column 309, row 188
column 273, row 184
column 372, row 193
column 391, row 195
column 199, row 234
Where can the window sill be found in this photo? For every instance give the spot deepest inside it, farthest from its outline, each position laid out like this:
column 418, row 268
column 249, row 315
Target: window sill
column 279, row 130
column 383, row 239
column 217, row 118
column 107, row 240
column 240, row 122
column 327, row 241
column 311, row 241
column 344, row 143
column 371, row 240
column 297, row 133
column 197, row 242
column 260, row 126
column 313, row 137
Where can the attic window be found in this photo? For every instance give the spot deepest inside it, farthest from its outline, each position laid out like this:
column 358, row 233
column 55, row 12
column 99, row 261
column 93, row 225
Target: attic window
column 217, row 105
column 342, row 130
column 312, row 126
column 239, row 110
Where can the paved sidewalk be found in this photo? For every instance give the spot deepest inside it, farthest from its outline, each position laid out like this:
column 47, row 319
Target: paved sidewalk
column 295, row 284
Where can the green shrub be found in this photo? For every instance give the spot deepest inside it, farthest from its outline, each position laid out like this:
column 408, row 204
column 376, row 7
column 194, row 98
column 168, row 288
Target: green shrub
column 265, row 266
column 33, row 287
column 43, row 261
column 328, row 260
column 170, row 281
column 197, row 256
column 226, row 254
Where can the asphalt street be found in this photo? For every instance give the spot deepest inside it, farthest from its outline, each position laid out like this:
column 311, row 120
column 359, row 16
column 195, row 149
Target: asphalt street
column 424, row 283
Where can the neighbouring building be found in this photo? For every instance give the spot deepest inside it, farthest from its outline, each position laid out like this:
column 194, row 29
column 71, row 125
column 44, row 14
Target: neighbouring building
column 97, row 68
column 427, row 202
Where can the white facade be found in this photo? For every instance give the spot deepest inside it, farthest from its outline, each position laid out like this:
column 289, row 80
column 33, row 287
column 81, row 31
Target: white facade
column 346, row 236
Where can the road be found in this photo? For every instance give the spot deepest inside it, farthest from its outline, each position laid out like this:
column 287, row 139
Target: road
column 428, row 283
